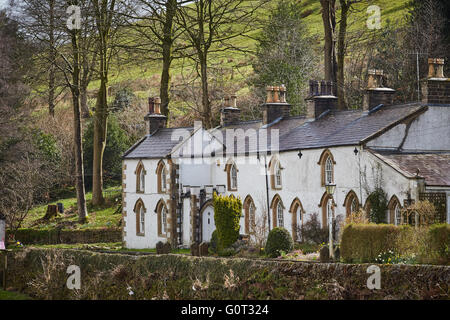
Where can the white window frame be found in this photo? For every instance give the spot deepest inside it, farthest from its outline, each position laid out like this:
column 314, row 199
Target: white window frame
column 280, row 215
column 329, row 171
column 141, row 180
column 233, row 177
column 278, row 179
column 141, row 220
column 163, row 219
column 397, row 214
column 251, row 214
column 163, row 179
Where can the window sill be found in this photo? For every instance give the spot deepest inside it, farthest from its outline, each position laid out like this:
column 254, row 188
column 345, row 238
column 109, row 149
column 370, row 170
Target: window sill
column 140, row 234
column 140, row 192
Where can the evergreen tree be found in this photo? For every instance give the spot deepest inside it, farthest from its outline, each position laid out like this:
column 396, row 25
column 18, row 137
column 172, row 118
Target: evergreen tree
column 284, row 54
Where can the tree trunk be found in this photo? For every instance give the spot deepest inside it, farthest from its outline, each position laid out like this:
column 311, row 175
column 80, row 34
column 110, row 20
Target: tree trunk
column 79, row 169
column 341, row 54
column 329, row 24
column 207, row 118
column 100, row 118
column 84, row 102
column 52, row 58
column 167, row 43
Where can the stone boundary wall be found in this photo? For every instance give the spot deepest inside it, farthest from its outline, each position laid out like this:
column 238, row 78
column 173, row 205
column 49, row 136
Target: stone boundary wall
column 170, row 276
column 59, row 236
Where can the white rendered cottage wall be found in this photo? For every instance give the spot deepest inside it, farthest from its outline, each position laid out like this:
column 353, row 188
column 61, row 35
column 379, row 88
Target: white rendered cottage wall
column 150, row 198
column 301, row 178
column 429, row 131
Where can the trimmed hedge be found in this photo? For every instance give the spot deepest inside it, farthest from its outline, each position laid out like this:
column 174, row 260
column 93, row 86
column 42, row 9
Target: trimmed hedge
column 278, row 240
column 58, row 236
column 364, row 242
column 438, row 245
column 227, row 215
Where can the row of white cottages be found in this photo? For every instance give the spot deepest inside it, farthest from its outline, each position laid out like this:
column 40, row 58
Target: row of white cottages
column 284, row 162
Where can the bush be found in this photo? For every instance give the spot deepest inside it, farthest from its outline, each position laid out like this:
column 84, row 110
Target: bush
column 278, row 240
column 214, row 242
column 379, row 206
column 396, row 244
column 226, row 252
column 227, row 215
column 365, row 242
column 437, row 242
column 313, row 232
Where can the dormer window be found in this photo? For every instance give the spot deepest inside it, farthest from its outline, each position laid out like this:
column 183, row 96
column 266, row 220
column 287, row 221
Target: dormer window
column 327, row 163
column 140, row 177
column 232, row 171
column 161, row 173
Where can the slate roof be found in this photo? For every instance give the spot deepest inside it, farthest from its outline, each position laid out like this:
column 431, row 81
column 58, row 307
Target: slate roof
column 336, row 128
column 157, row 145
column 434, row 167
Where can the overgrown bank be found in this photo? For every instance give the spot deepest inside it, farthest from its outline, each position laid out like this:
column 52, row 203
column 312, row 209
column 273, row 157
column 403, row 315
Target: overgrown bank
column 41, row 273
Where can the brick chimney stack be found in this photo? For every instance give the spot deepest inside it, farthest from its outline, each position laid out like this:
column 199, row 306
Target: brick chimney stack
column 230, row 113
column 376, row 93
column 320, row 98
column 276, row 105
column 154, row 117
column 436, row 88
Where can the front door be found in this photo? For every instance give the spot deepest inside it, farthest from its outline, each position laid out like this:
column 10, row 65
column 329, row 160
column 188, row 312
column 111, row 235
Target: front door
column 208, row 225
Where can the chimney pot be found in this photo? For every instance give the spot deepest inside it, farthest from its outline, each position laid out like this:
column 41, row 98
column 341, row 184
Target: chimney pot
column 227, row 101
column 276, row 97
column 233, row 101
column 283, row 93
column 436, row 68
column 158, row 105
column 151, row 105
column 269, row 91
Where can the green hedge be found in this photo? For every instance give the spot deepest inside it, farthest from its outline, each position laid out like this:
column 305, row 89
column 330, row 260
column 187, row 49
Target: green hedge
column 227, row 215
column 364, row 242
column 437, row 250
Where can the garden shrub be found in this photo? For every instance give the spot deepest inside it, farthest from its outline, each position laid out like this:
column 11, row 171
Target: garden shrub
column 227, row 215
column 313, row 232
column 437, row 245
column 214, row 242
column 278, row 240
column 396, row 244
column 378, row 206
column 365, row 242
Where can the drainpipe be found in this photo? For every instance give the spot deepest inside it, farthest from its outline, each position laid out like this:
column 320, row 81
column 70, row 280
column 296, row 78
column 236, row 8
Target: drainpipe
column 267, row 191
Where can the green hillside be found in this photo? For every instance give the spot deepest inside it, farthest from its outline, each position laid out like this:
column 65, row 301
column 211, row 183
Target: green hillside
column 143, row 77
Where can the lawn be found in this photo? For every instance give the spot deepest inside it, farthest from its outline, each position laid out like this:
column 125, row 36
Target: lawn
column 108, row 215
